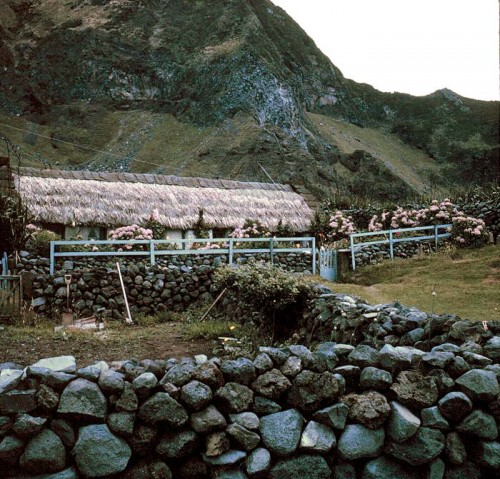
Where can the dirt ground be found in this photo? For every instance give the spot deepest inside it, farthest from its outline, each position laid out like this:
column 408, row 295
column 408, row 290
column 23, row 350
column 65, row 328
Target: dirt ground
column 160, row 341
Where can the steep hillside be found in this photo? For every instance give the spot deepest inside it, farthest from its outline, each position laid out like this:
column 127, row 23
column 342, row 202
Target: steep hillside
column 222, row 88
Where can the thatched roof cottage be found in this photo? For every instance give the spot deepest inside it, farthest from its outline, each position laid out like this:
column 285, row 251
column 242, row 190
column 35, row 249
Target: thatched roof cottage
column 91, row 203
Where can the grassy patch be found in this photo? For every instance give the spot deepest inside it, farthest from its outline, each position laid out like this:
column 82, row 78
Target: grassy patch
column 210, row 329
column 411, row 164
column 465, row 282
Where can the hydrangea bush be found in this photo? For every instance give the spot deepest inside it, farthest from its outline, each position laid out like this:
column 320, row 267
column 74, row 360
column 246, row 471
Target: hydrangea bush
column 340, row 227
column 133, row 232
column 468, row 232
column 437, row 213
column 251, row 229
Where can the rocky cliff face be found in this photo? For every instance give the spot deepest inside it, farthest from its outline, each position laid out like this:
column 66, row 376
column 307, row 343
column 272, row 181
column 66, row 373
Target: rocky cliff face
column 236, row 79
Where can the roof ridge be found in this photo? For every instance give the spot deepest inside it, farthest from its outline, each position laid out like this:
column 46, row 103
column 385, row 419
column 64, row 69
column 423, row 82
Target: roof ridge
column 149, row 178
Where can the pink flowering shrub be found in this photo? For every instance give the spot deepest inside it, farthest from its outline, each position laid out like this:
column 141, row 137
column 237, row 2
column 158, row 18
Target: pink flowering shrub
column 251, row 229
column 437, row 213
column 339, row 227
column 133, row 232
column 468, row 232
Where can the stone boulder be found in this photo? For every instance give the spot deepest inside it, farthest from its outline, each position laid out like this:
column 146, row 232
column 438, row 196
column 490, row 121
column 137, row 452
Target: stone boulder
column 281, row 431
column 162, row 408
column 402, row 423
column 45, row 453
column 386, row 468
column 479, row 384
column 357, row 442
column 370, row 409
column 300, row 467
column 100, row 453
column 421, row 448
column 415, row 390
column 271, row 384
column 311, row 390
column 317, row 438
column 455, row 405
column 83, row 399
column 234, row 397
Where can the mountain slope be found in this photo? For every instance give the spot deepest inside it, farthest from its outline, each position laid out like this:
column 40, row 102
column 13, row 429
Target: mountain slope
column 221, row 88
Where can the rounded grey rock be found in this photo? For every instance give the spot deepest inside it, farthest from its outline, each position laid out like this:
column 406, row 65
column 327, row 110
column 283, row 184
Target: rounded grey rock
column 422, row 448
column 196, row 395
column 358, row 442
column 82, row 398
column 281, row 431
column 258, row 462
column 45, row 453
column 375, row 378
column 479, row 384
column 99, row 453
column 402, row 423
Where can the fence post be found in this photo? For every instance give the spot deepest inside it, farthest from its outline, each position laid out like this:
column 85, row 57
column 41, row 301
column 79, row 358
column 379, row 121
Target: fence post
column 5, row 265
column 391, row 246
column 52, row 248
column 231, row 240
column 353, row 259
column 314, row 255
column 152, row 252
column 271, row 249
column 436, row 237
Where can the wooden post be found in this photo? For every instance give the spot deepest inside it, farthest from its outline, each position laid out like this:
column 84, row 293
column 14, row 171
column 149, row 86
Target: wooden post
column 128, row 320
column 213, row 304
column 342, row 263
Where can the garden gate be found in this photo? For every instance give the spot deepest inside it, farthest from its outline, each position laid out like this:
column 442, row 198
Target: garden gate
column 10, row 293
column 328, row 264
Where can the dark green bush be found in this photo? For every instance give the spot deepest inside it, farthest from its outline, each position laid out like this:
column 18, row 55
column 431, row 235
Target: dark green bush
column 280, row 297
column 39, row 243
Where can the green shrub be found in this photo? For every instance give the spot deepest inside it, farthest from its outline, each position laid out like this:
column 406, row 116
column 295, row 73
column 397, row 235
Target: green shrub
column 39, row 243
column 280, row 297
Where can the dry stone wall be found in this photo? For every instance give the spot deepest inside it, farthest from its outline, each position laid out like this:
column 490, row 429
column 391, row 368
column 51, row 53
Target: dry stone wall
column 171, row 284
column 338, row 411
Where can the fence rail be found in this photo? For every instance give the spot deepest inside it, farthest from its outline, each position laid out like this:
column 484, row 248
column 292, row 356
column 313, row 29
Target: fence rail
column 391, row 241
column 230, row 246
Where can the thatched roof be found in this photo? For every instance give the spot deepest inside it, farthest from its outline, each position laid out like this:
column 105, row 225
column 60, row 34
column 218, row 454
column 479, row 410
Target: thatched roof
column 116, row 199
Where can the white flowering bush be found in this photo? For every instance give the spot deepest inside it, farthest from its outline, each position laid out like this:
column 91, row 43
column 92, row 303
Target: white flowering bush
column 340, row 227
column 133, row 232
column 468, row 232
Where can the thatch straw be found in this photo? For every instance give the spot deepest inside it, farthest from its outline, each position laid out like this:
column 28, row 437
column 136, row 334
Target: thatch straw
column 65, row 197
